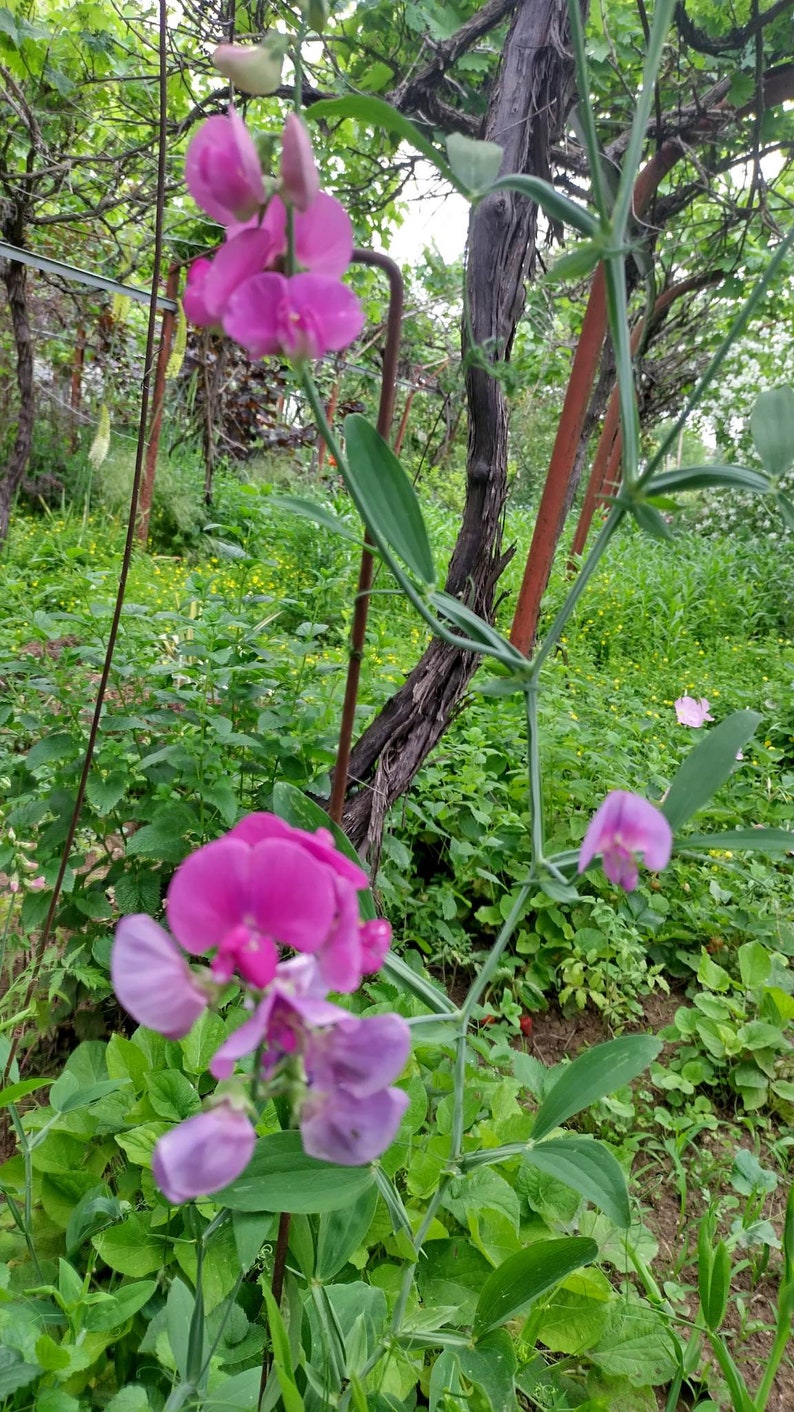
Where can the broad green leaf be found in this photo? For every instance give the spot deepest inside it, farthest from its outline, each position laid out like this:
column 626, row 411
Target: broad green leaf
column 490, row 1366
column 51, row 747
column 734, row 840
column 572, row 1319
column 96, row 1210
column 707, row 767
column 755, row 964
column 237, row 1394
column 559, row 207
column 594, row 1075
column 342, row 1231
column 526, row 1275
column 131, row 1249
column 380, row 114
column 476, row 164
column 385, row 498
column 636, row 1344
column 172, row 1095
column 15, row 1372
column 590, row 1168
column 707, row 478
column 104, row 793
column 120, row 1306
column 318, row 514
column 650, row 520
column 280, row 1177
column 772, row 428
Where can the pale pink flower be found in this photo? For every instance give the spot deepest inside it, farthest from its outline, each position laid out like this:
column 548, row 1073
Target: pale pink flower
column 626, row 825
column 152, row 979
column 691, row 712
column 203, row 1154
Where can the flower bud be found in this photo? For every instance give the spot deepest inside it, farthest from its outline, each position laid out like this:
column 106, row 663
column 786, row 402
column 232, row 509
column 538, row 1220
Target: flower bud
column 300, row 182
column 254, row 69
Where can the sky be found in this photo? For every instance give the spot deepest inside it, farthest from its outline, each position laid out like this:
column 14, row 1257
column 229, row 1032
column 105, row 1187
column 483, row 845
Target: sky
column 430, row 218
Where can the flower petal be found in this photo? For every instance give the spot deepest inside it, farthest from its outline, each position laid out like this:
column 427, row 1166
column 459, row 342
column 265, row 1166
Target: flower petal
column 299, row 178
column 292, row 895
column 209, row 894
column 242, row 1041
column 360, row 1055
column 256, row 313
column 223, row 171
column 351, row 1131
column 203, row 1154
column 323, row 236
column 335, row 311
column 152, row 980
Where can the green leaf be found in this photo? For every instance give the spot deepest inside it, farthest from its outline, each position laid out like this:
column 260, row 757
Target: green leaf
column 772, row 428
column 490, row 1365
column 734, row 840
column 105, row 793
column 282, row 1354
column 172, row 1095
column 650, row 520
column 786, row 508
column 559, row 207
column 594, row 1075
column 342, row 1231
column 380, row 114
column 318, row 514
column 590, row 1168
column 14, row 1092
column 707, row 478
column 280, row 1177
column 476, row 164
column 15, row 1372
column 385, row 498
column 237, row 1394
column 477, row 629
column 575, row 264
column 131, row 1249
column 120, row 1306
column 95, row 1210
column 526, row 1275
column 707, row 767
column 52, row 747
column 636, row 1344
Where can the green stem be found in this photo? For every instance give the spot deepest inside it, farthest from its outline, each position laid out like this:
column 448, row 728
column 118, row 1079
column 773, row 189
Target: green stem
column 26, row 1157
column 578, row 586
column 535, row 776
column 736, row 1384
column 481, row 982
column 782, row 1335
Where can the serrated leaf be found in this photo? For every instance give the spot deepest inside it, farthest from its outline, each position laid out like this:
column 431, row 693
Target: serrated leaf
column 104, row 793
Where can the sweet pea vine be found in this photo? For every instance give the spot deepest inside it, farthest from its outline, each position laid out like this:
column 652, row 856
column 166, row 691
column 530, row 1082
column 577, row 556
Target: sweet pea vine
column 263, row 887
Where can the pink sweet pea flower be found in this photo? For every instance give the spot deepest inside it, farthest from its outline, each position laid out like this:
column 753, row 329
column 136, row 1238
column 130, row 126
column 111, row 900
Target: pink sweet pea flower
column 625, row 825
column 152, row 980
column 303, row 317
column 300, row 182
column 203, row 1154
column 350, row 1114
column 223, row 171
column 691, row 712
column 295, row 1001
column 323, row 234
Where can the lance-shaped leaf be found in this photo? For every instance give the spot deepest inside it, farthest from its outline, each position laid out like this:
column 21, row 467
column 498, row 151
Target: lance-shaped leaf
column 385, row 498
column 736, row 840
column 707, row 767
column 707, row 478
column 380, row 114
column 772, row 428
column 523, row 1277
column 593, row 1075
column 280, row 1177
column 590, row 1168
column 318, row 514
column 559, row 207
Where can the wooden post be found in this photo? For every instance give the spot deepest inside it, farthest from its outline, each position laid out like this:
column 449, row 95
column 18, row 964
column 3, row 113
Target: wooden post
column 155, row 425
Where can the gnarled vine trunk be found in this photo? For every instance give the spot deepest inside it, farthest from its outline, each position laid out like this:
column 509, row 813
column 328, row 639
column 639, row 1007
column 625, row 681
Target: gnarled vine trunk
column 525, row 115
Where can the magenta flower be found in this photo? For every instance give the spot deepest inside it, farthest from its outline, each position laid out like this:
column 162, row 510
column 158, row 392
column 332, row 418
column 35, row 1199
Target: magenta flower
column 152, row 980
column 223, row 171
column 300, row 182
column 323, row 234
column 204, row 1153
column 626, row 825
column 211, row 283
column 295, row 1001
column 267, row 885
column 691, row 712
column 303, row 317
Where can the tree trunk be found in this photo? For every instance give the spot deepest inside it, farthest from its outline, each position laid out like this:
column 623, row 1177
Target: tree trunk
column 525, row 115
column 15, row 281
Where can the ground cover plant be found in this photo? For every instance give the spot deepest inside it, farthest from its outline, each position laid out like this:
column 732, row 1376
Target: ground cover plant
column 240, row 1192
